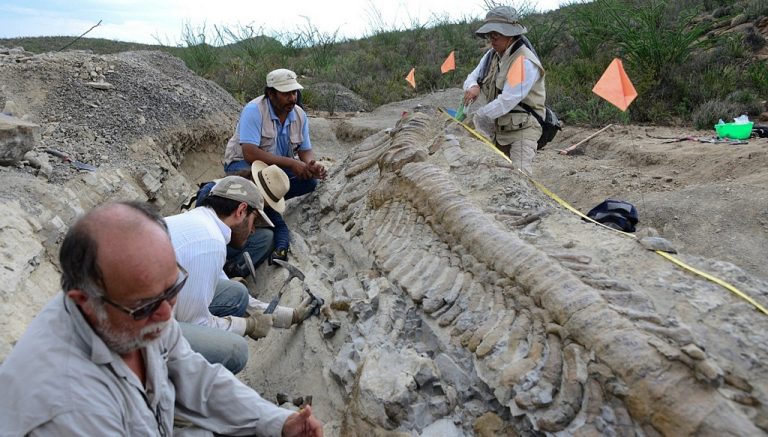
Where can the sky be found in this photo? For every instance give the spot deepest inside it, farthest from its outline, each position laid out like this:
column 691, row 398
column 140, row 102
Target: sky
column 163, row 21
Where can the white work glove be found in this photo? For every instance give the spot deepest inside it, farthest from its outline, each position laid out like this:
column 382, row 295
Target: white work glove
column 483, row 124
column 304, row 310
column 258, row 325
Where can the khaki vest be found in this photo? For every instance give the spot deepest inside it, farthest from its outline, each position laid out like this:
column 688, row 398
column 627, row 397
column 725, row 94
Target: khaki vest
column 234, row 151
column 517, row 124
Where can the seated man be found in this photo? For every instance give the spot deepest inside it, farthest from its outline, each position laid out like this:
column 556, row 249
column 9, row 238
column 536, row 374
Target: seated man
column 272, row 129
column 105, row 357
column 217, row 312
column 273, row 184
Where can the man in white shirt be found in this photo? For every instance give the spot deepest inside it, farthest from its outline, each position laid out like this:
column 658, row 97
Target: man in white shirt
column 216, row 312
column 105, row 357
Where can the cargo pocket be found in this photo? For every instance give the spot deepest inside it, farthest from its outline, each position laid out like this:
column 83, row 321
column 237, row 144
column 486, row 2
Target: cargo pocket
column 515, row 121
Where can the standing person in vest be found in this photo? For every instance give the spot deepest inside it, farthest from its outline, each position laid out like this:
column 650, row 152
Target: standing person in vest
column 512, row 128
column 273, row 129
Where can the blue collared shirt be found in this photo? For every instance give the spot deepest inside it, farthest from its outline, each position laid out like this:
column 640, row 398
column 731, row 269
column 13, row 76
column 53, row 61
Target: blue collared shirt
column 250, row 130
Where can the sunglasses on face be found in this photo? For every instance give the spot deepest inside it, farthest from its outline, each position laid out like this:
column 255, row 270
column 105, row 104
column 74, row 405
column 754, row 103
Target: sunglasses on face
column 147, row 309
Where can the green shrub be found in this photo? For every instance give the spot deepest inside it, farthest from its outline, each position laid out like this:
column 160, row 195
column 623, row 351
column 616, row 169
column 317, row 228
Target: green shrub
column 649, row 37
column 757, row 74
column 679, row 73
column 734, row 47
column 586, row 24
column 320, row 46
column 707, row 114
column 756, row 8
column 200, row 55
column 546, row 32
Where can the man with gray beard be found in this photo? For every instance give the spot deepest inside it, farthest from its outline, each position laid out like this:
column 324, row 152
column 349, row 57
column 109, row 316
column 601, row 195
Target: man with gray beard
column 105, row 357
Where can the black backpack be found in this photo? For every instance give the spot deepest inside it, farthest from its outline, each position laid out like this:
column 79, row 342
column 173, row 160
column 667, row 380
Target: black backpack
column 550, row 125
column 616, row 214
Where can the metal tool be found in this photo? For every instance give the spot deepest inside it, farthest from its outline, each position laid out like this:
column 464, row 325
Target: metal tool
column 296, row 273
column 252, row 271
column 66, row 158
column 573, row 147
column 249, row 264
column 293, row 272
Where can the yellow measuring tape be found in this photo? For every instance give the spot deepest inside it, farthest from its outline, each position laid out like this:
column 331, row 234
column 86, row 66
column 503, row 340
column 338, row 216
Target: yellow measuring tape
column 563, row 203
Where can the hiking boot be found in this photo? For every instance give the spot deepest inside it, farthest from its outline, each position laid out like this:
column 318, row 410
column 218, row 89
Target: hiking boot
column 234, row 269
column 281, row 254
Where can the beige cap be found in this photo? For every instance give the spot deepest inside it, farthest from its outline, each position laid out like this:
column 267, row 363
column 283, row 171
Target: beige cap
column 242, row 190
column 273, row 183
column 283, row 80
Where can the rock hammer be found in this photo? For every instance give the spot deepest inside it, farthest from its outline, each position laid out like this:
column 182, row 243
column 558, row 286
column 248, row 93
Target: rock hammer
column 293, row 272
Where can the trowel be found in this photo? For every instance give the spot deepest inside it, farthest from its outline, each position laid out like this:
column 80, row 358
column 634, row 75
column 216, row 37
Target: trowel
column 458, row 114
column 461, row 112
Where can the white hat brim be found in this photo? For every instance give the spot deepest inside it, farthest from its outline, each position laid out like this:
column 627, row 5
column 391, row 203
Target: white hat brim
column 289, row 87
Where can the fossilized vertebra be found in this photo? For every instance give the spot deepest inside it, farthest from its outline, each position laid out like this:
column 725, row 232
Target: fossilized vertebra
column 558, row 340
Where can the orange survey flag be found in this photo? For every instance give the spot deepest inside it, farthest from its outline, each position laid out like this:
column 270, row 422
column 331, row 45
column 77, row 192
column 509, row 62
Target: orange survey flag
column 411, row 78
column 614, row 85
column 516, row 73
column 449, row 64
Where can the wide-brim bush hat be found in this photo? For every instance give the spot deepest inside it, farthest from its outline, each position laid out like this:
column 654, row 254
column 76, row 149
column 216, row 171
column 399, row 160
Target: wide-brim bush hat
column 272, row 182
column 283, row 80
column 502, row 19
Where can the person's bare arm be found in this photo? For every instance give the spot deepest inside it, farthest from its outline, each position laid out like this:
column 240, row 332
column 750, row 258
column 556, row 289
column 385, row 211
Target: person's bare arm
column 315, row 169
column 252, row 152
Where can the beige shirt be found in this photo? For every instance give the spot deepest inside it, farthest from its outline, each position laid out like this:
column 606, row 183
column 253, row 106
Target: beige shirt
column 61, row 379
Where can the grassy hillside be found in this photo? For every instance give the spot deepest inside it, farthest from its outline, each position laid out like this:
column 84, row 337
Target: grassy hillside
column 43, row 44
column 691, row 61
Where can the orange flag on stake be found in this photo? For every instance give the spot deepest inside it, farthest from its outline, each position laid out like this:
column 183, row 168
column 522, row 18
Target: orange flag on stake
column 516, row 73
column 411, row 78
column 449, row 64
column 614, row 85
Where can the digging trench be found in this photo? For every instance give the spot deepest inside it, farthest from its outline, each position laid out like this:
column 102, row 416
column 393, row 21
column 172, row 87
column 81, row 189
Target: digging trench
column 447, row 313
column 461, row 301
column 451, row 321
column 379, row 330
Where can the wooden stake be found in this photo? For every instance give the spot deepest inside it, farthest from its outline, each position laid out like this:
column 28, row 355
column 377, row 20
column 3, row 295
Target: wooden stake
column 573, row 147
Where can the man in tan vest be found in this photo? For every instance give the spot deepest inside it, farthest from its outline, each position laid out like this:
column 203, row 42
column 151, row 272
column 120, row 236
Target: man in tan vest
column 505, row 118
column 274, row 130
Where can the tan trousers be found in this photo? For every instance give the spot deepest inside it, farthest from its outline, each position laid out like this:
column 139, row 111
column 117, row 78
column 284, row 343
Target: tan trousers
column 521, row 153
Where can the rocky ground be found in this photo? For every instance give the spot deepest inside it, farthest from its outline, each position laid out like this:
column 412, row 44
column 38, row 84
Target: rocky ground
column 444, row 328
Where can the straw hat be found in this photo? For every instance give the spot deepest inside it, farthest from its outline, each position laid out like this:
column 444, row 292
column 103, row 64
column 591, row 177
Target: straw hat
column 272, row 182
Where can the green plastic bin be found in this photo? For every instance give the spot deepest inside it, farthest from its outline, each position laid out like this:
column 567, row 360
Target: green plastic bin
column 734, row 131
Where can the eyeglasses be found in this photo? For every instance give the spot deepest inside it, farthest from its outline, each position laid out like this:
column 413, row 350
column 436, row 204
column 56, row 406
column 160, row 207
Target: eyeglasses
column 492, row 36
column 147, row 309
